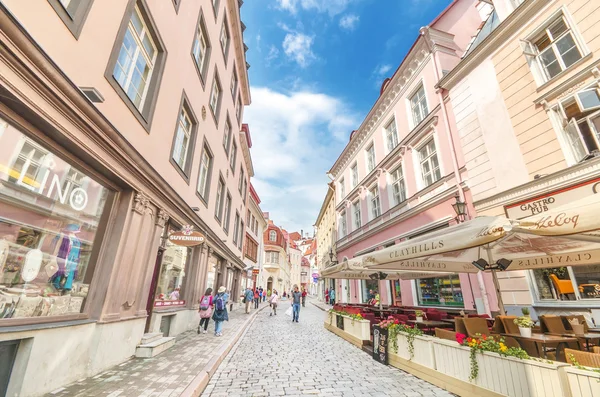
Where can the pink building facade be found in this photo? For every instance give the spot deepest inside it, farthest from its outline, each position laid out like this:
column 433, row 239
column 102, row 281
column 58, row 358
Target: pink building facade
column 403, row 168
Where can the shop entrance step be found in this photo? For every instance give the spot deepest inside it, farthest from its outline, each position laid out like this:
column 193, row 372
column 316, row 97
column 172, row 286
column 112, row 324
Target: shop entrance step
column 150, row 337
column 155, row 347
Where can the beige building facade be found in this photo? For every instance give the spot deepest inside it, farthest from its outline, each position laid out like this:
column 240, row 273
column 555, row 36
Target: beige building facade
column 326, row 236
column 119, row 126
column 526, row 99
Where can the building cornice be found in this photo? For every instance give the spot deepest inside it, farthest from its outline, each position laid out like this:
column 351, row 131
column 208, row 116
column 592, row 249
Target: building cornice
column 27, row 59
column 402, row 78
column 504, row 31
column 328, row 198
column 240, row 51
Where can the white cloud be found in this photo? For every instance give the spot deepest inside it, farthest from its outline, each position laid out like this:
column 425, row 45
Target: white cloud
column 296, row 137
column 273, row 54
column 349, row 21
column 298, row 47
column 380, row 73
column 332, row 7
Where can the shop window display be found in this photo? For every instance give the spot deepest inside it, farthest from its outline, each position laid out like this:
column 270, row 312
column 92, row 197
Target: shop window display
column 568, row 283
column 172, row 272
column 50, row 212
column 441, row 291
column 397, row 292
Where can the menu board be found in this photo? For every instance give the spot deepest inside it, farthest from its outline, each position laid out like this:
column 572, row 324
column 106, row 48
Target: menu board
column 380, row 343
column 339, row 320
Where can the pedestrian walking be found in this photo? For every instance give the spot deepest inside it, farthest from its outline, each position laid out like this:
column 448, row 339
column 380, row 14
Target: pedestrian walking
column 273, row 301
column 220, row 311
column 265, row 294
column 304, row 297
column 296, row 296
column 327, row 296
column 205, row 310
column 332, row 296
column 248, row 297
column 260, row 294
column 256, row 298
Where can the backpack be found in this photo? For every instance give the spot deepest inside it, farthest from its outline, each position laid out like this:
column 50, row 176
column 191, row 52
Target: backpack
column 220, row 303
column 205, row 304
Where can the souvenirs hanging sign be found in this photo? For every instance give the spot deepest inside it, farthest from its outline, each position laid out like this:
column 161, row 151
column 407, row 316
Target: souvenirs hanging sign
column 186, row 237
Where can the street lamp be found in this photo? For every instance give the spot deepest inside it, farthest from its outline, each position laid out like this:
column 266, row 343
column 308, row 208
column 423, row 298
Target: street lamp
column 331, row 256
column 460, row 207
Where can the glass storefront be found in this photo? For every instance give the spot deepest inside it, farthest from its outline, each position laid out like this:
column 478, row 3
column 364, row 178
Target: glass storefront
column 397, row 292
column 172, row 272
column 211, row 272
column 567, row 283
column 369, row 285
column 441, row 291
column 50, row 212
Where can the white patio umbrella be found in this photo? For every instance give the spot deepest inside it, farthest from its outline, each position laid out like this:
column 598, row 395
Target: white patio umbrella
column 566, row 236
column 352, row 270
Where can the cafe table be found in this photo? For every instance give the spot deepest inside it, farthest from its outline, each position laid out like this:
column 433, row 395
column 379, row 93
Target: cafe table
column 587, row 336
column 544, row 340
column 429, row 324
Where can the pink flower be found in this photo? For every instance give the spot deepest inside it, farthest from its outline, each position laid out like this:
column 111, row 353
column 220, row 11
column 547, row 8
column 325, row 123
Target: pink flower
column 460, row 338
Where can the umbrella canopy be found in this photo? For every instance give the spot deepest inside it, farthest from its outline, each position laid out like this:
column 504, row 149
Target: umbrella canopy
column 351, row 270
column 563, row 237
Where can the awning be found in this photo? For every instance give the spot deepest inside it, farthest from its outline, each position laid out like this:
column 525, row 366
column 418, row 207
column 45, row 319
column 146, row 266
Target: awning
column 562, row 237
column 350, row 271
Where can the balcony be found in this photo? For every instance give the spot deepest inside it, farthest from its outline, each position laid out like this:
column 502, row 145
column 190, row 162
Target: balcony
column 271, row 267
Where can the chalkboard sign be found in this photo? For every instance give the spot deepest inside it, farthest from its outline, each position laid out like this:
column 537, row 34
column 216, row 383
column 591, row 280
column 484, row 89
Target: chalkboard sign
column 380, row 343
column 339, row 320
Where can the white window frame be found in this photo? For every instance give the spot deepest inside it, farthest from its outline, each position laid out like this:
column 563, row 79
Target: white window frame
column 201, row 48
column 224, row 37
column 233, row 157
column 422, row 113
column 238, row 109
column 532, row 54
column 356, row 214
column 400, row 181
column 236, row 228
column 370, row 161
column 182, row 135
column 220, row 199
column 390, row 134
column 342, row 188
column 205, row 167
column 138, row 52
column 273, row 236
column 234, row 82
column 215, row 96
column 227, row 212
column 354, row 175
column 428, row 158
column 343, row 224
column 374, row 202
column 227, row 136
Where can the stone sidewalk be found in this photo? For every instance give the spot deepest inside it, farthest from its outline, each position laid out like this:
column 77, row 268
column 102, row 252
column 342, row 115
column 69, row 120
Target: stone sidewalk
column 183, row 370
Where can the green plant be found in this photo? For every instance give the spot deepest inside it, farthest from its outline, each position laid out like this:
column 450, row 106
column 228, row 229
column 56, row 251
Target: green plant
column 575, row 363
column 419, row 313
column 483, row 343
column 524, row 322
column 525, row 311
column 410, row 332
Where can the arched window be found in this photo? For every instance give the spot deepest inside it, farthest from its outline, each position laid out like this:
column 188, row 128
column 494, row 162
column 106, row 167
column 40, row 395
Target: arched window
column 272, row 235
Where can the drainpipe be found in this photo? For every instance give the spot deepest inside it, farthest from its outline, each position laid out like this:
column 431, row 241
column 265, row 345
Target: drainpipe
column 424, row 31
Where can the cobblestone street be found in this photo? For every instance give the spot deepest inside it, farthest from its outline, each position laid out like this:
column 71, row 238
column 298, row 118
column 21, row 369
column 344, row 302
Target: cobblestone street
column 277, row 357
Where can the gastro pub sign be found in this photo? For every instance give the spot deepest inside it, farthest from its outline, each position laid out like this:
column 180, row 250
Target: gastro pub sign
column 186, row 237
column 547, row 202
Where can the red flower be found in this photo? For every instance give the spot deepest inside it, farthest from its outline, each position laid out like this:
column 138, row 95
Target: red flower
column 460, row 338
column 396, row 321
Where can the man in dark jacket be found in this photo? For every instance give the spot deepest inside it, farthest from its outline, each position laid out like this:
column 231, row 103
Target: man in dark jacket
column 296, row 299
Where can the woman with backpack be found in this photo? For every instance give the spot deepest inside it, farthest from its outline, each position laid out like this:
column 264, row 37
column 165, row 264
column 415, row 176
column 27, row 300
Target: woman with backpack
column 206, row 308
column 220, row 313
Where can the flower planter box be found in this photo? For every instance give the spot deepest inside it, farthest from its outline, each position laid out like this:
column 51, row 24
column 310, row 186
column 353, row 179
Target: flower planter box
column 423, row 350
column 355, row 331
column 583, row 383
column 505, row 375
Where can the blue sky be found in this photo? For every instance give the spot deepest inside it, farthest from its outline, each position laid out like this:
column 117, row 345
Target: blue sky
column 316, row 70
